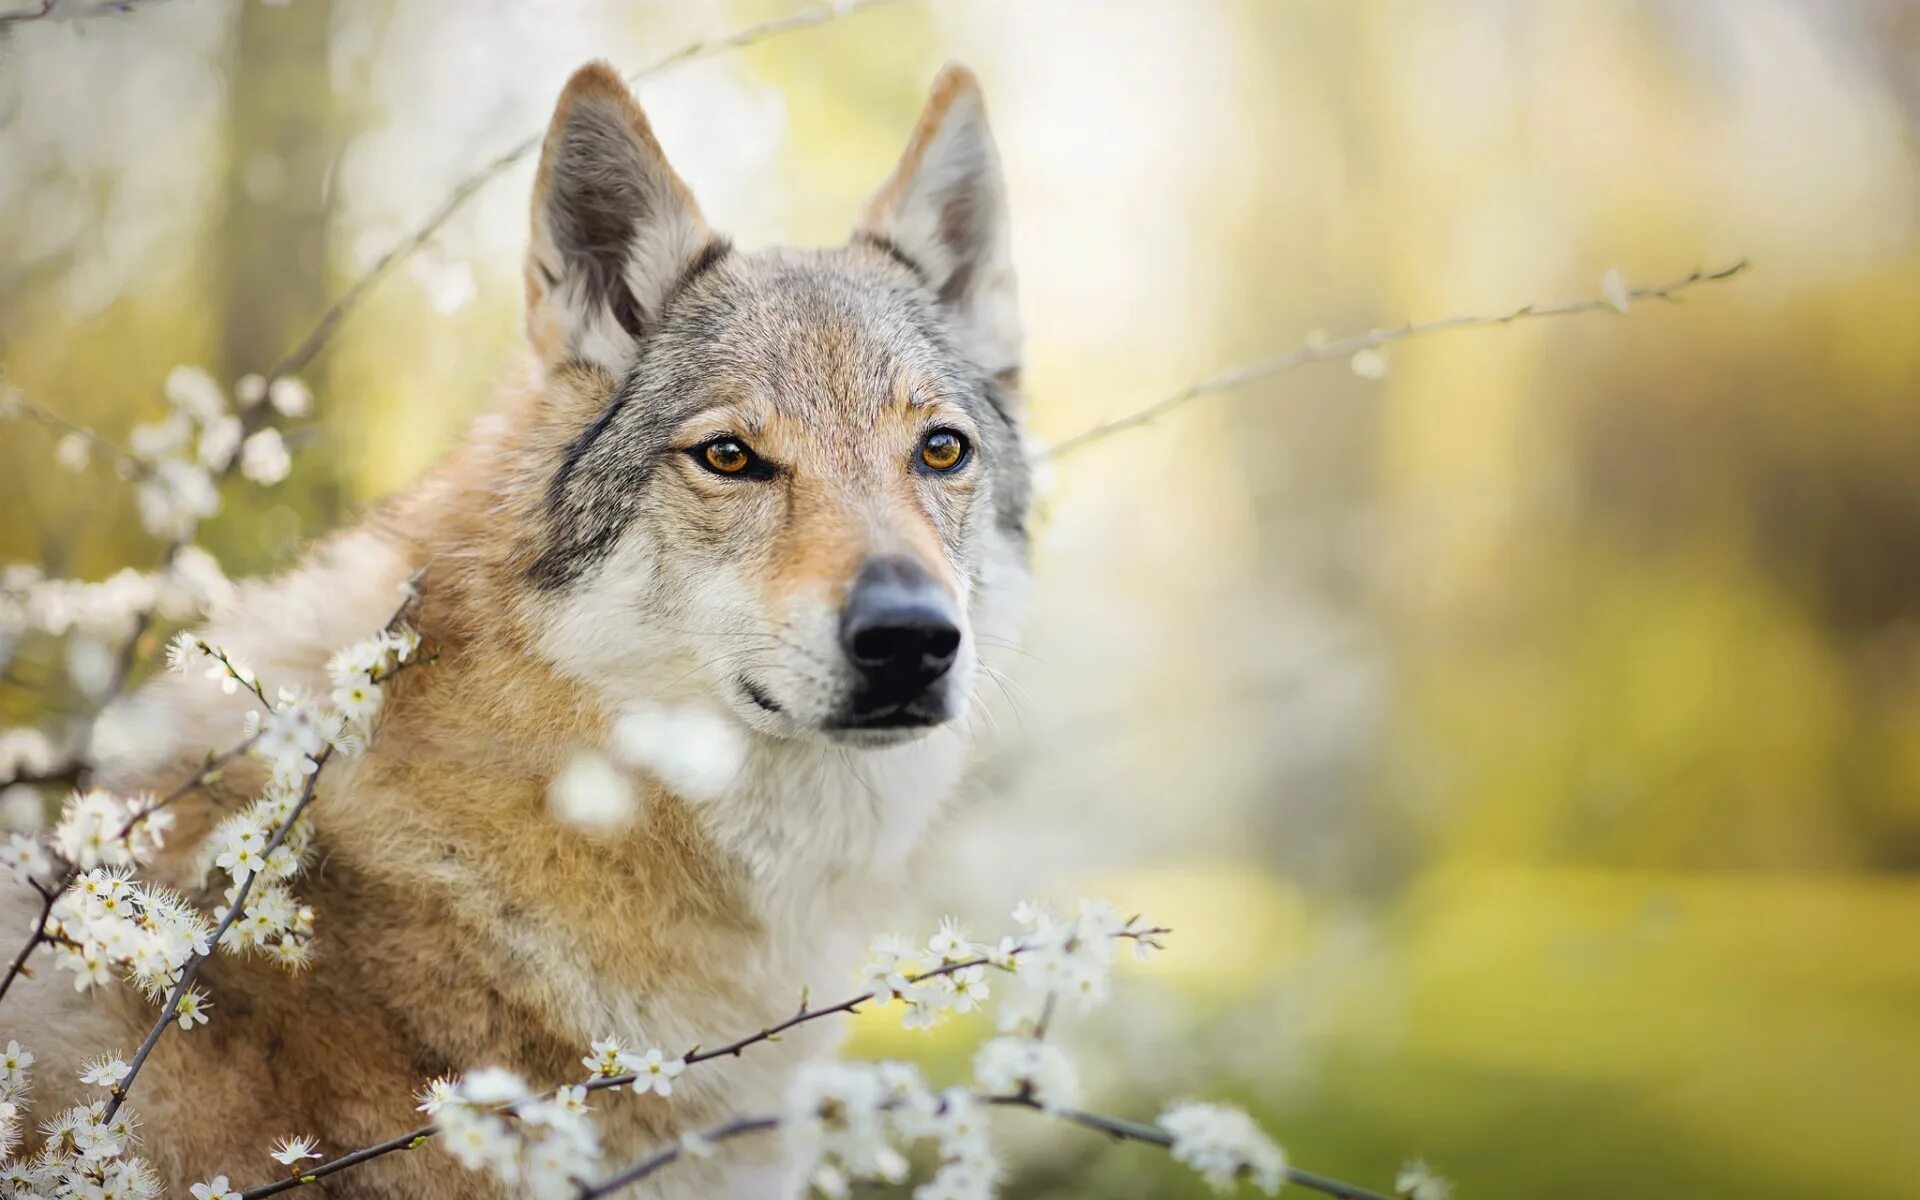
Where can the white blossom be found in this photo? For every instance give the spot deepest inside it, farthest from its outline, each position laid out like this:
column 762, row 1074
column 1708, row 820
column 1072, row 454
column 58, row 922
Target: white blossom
column 967, row 988
column 73, row 451
column 477, row 1140
column 88, row 833
column 14, row 1063
column 21, row 809
column 106, row 1070
column 1369, row 363
column 592, row 794
column 1223, row 1143
column 192, row 584
column 894, row 960
column 290, row 397
column 1024, row 1066
column 292, row 737
column 182, row 651
column 950, row 942
column 655, row 1072
column 490, row 1122
column 192, row 1007
column 216, row 1188
column 26, row 858
column 264, row 458
column 174, row 497
column 161, row 439
column 838, row 1115
column 218, row 441
column 195, row 393
column 1614, row 290
column 695, row 751
column 606, row 1058
column 449, row 285
column 290, row 1151
column 435, row 1095
column 91, row 665
column 1417, row 1181
column 359, row 701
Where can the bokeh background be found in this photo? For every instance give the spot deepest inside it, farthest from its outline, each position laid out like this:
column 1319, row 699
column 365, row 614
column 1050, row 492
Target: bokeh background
column 1525, row 746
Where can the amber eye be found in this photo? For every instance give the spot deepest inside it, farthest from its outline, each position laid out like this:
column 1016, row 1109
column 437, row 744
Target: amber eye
column 943, row 450
column 726, row 456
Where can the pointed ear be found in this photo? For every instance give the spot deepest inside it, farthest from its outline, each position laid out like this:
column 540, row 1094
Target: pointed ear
column 944, row 210
column 613, row 226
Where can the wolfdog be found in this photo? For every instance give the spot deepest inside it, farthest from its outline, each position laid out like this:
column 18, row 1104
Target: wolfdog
column 787, row 486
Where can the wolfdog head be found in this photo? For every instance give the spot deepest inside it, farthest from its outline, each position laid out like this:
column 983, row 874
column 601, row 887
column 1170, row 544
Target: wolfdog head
column 802, row 491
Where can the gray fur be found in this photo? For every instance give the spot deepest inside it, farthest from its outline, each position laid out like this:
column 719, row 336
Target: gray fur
column 745, row 321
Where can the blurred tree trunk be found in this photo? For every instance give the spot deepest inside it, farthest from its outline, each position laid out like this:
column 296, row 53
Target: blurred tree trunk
column 285, row 133
column 284, row 140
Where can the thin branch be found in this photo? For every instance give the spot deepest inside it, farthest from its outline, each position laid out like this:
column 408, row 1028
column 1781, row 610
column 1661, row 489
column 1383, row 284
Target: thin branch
column 304, row 351
column 209, row 772
column 169, row 1011
column 124, row 462
column 46, row 9
column 771, row 1033
column 48, row 895
column 65, row 775
column 1114, row 1127
column 406, row 1141
column 672, row 1153
column 24, row 15
column 1133, row 1131
column 1347, row 347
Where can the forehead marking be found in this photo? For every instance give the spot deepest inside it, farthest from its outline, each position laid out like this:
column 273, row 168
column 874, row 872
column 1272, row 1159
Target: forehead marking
column 709, row 257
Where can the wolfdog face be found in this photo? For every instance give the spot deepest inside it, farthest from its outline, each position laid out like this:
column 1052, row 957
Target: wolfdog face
column 804, row 494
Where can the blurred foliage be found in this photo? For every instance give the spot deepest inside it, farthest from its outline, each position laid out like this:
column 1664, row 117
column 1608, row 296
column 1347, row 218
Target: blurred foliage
column 1526, row 748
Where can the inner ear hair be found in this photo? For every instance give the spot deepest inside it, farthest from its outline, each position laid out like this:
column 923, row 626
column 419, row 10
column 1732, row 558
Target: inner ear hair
column 597, row 204
column 614, row 228
column 943, row 215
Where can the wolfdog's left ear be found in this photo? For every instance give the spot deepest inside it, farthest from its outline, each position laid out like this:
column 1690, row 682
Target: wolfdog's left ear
column 945, row 209
column 613, row 226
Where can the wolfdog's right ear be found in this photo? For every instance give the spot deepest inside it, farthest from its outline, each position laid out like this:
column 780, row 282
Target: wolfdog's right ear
column 613, row 226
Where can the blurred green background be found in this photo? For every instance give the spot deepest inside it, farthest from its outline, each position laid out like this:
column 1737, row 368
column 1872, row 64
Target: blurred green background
column 1525, row 746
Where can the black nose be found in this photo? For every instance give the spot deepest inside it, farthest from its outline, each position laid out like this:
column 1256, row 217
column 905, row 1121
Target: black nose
column 899, row 628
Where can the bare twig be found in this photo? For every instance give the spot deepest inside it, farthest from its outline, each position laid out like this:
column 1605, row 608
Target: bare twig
column 169, row 1011
column 46, row 8
column 1347, row 347
column 1114, row 1127
column 669, row 1154
column 303, row 352
column 1133, row 1131
column 124, row 462
column 39, row 936
column 208, row 772
column 67, row 774
column 806, row 1014
column 770, row 1033
column 406, row 1141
